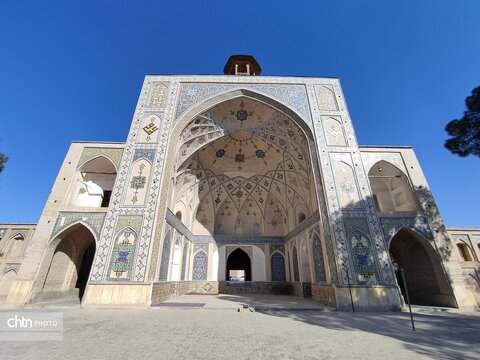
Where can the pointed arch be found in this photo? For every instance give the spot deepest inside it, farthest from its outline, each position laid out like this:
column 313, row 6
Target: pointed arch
column 277, row 263
column 200, row 265
column 346, row 185
column 99, row 162
column 334, row 133
column 391, row 188
column 219, row 98
column 14, row 245
column 55, row 237
column 93, row 182
column 305, row 261
column 465, row 251
column 18, row 236
column 289, row 179
column 239, row 261
column 6, row 281
column 426, row 278
column 318, row 258
column 411, row 230
column 68, row 260
column 326, row 98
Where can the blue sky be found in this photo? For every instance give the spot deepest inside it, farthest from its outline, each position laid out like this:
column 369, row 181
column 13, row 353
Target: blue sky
column 73, row 71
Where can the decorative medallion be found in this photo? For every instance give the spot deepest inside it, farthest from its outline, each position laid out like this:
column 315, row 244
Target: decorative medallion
column 239, row 158
column 260, row 154
column 347, row 186
column 362, row 259
column 150, row 128
column 334, row 131
column 138, row 182
column 242, row 114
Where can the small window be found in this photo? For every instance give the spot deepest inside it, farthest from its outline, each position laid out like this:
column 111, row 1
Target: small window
column 464, row 252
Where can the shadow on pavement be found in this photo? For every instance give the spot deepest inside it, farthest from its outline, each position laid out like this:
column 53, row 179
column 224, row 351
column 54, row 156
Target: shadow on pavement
column 445, row 336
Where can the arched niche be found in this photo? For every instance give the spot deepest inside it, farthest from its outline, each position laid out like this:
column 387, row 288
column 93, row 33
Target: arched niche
column 305, row 261
column 318, row 258
column 93, row 183
column 391, row 188
column 427, row 282
column 346, row 185
column 326, row 98
column 69, row 260
column 15, row 246
column 277, row 263
column 464, row 251
column 243, row 164
column 334, row 134
column 200, row 266
column 6, row 283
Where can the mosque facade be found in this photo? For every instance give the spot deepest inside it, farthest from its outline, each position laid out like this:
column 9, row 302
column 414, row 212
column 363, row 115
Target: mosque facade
column 240, row 183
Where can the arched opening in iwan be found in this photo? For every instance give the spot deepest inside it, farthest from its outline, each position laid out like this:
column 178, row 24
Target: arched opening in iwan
column 426, row 279
column 71, row 262
column 239, row 266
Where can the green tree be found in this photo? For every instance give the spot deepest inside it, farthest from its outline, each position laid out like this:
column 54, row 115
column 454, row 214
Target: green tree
column 465, row 132
column 3, row 160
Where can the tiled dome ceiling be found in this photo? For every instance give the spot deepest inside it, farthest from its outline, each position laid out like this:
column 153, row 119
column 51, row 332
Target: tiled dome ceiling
column 243, row 153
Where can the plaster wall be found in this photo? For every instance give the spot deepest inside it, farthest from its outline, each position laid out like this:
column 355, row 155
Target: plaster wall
column 57, row 203
column 433, row 228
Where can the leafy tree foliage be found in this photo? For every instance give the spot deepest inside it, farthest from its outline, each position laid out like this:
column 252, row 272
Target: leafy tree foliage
column 3, row 160
column 465, row 132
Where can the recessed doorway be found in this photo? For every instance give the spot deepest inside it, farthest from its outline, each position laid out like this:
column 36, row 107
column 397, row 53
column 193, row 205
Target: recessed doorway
column 239, row 266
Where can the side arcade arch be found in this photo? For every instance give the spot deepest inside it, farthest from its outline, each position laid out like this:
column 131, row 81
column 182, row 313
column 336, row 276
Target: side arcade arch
column 68, row 260
column 93, row 183
column 427, row 281
column 391, row 188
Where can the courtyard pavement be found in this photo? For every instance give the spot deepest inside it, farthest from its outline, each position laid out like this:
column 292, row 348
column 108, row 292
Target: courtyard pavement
column 234, row 302
column 216, row 330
